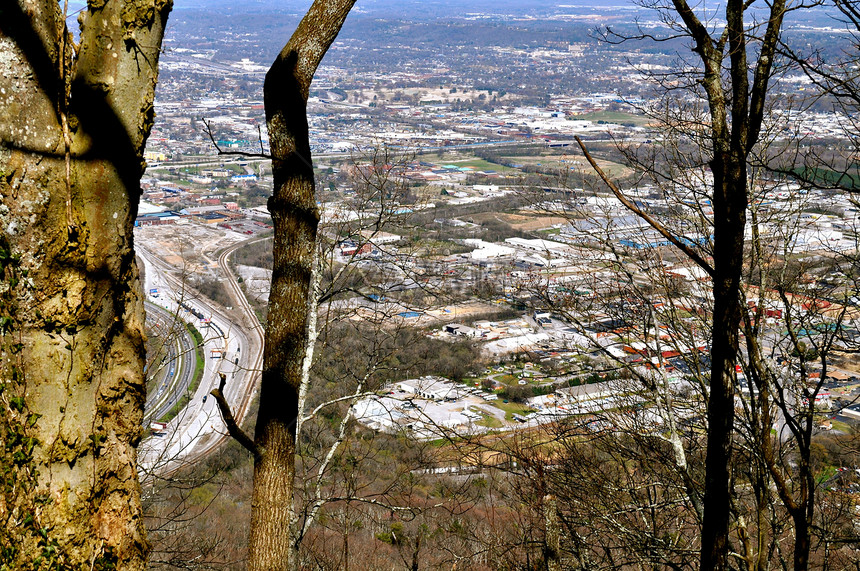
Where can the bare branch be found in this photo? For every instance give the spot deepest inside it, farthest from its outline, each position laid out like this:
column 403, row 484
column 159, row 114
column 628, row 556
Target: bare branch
column 692, row 254
column 260, row 155
column 355, row 396
column 235, row 431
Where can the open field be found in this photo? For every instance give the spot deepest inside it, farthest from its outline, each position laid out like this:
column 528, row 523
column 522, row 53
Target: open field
column 464, row 159
column 531, row 223
column 482, row 165
column 618, row 117
column 512, row 408
column 572, row 161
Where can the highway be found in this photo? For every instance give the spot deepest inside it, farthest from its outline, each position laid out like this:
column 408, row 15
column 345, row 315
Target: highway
column 176, row 365
column 232, row 344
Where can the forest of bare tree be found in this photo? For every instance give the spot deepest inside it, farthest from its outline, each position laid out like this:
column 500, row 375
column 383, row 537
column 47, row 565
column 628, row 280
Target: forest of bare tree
column 710, row 454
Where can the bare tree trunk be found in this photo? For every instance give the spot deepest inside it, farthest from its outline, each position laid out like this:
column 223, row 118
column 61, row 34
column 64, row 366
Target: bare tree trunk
column 416, row 552
column 736, row 113
column 729, row 201
column 736, row 103
column 553, row 533
column 295, row 217
column 73, row 125
column 802, row 541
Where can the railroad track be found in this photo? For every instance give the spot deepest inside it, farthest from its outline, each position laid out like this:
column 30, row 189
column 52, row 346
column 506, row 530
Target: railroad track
column 255, row 333
column 239, row 394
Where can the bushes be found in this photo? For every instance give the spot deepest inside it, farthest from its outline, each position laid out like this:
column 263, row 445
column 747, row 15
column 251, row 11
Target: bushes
column 518, row 393
column 399, row 354
column 213, row 289
column 257, row 254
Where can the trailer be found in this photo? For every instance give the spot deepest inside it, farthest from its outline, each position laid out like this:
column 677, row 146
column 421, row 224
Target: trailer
column 158, row 428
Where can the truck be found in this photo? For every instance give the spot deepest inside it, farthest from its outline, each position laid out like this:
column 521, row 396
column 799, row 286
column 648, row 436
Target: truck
column 158, row 428
column 153, row 292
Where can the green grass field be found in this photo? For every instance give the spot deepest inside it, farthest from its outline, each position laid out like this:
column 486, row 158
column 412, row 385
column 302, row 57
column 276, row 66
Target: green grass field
column 457, row 159
column 512, row 408
column 482, row 165
column 489, row 422
column 555, row 163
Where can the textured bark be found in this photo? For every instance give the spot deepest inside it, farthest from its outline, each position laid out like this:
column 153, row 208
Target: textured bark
column 295, row 218
column 736, row 114
column 553, row 533
column 73, row 124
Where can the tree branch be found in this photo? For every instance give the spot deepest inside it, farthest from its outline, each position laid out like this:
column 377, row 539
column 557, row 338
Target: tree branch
column 260, row 155
column 312, row 333
column 355, row 396
column 235, row 431
column 688, row 251
column 763, row 72
column 312, row 38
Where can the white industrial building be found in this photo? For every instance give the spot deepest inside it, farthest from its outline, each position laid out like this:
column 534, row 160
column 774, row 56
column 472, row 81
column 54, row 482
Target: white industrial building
column 430, row 388
column 544, row 247
column 378, row 413
column 486, row 250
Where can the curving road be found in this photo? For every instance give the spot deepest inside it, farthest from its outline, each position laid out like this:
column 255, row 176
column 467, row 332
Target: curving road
column 175, row 369
column 232, row 344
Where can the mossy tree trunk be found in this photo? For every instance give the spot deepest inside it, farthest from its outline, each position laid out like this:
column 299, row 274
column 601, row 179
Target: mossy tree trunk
column 73, row 123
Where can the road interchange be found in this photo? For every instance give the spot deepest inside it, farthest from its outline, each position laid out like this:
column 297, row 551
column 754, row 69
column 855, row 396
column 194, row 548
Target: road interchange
column 232, row 344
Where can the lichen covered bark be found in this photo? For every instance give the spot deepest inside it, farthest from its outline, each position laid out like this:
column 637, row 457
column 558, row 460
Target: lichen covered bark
column 72, row 131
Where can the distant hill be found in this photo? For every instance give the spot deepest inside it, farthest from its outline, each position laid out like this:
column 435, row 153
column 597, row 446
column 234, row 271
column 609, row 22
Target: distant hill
column 419, row 9
column 423, row 10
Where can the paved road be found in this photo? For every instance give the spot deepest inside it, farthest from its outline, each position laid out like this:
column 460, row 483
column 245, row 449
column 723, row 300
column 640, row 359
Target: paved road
column 233, row 344
column 177, row 365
